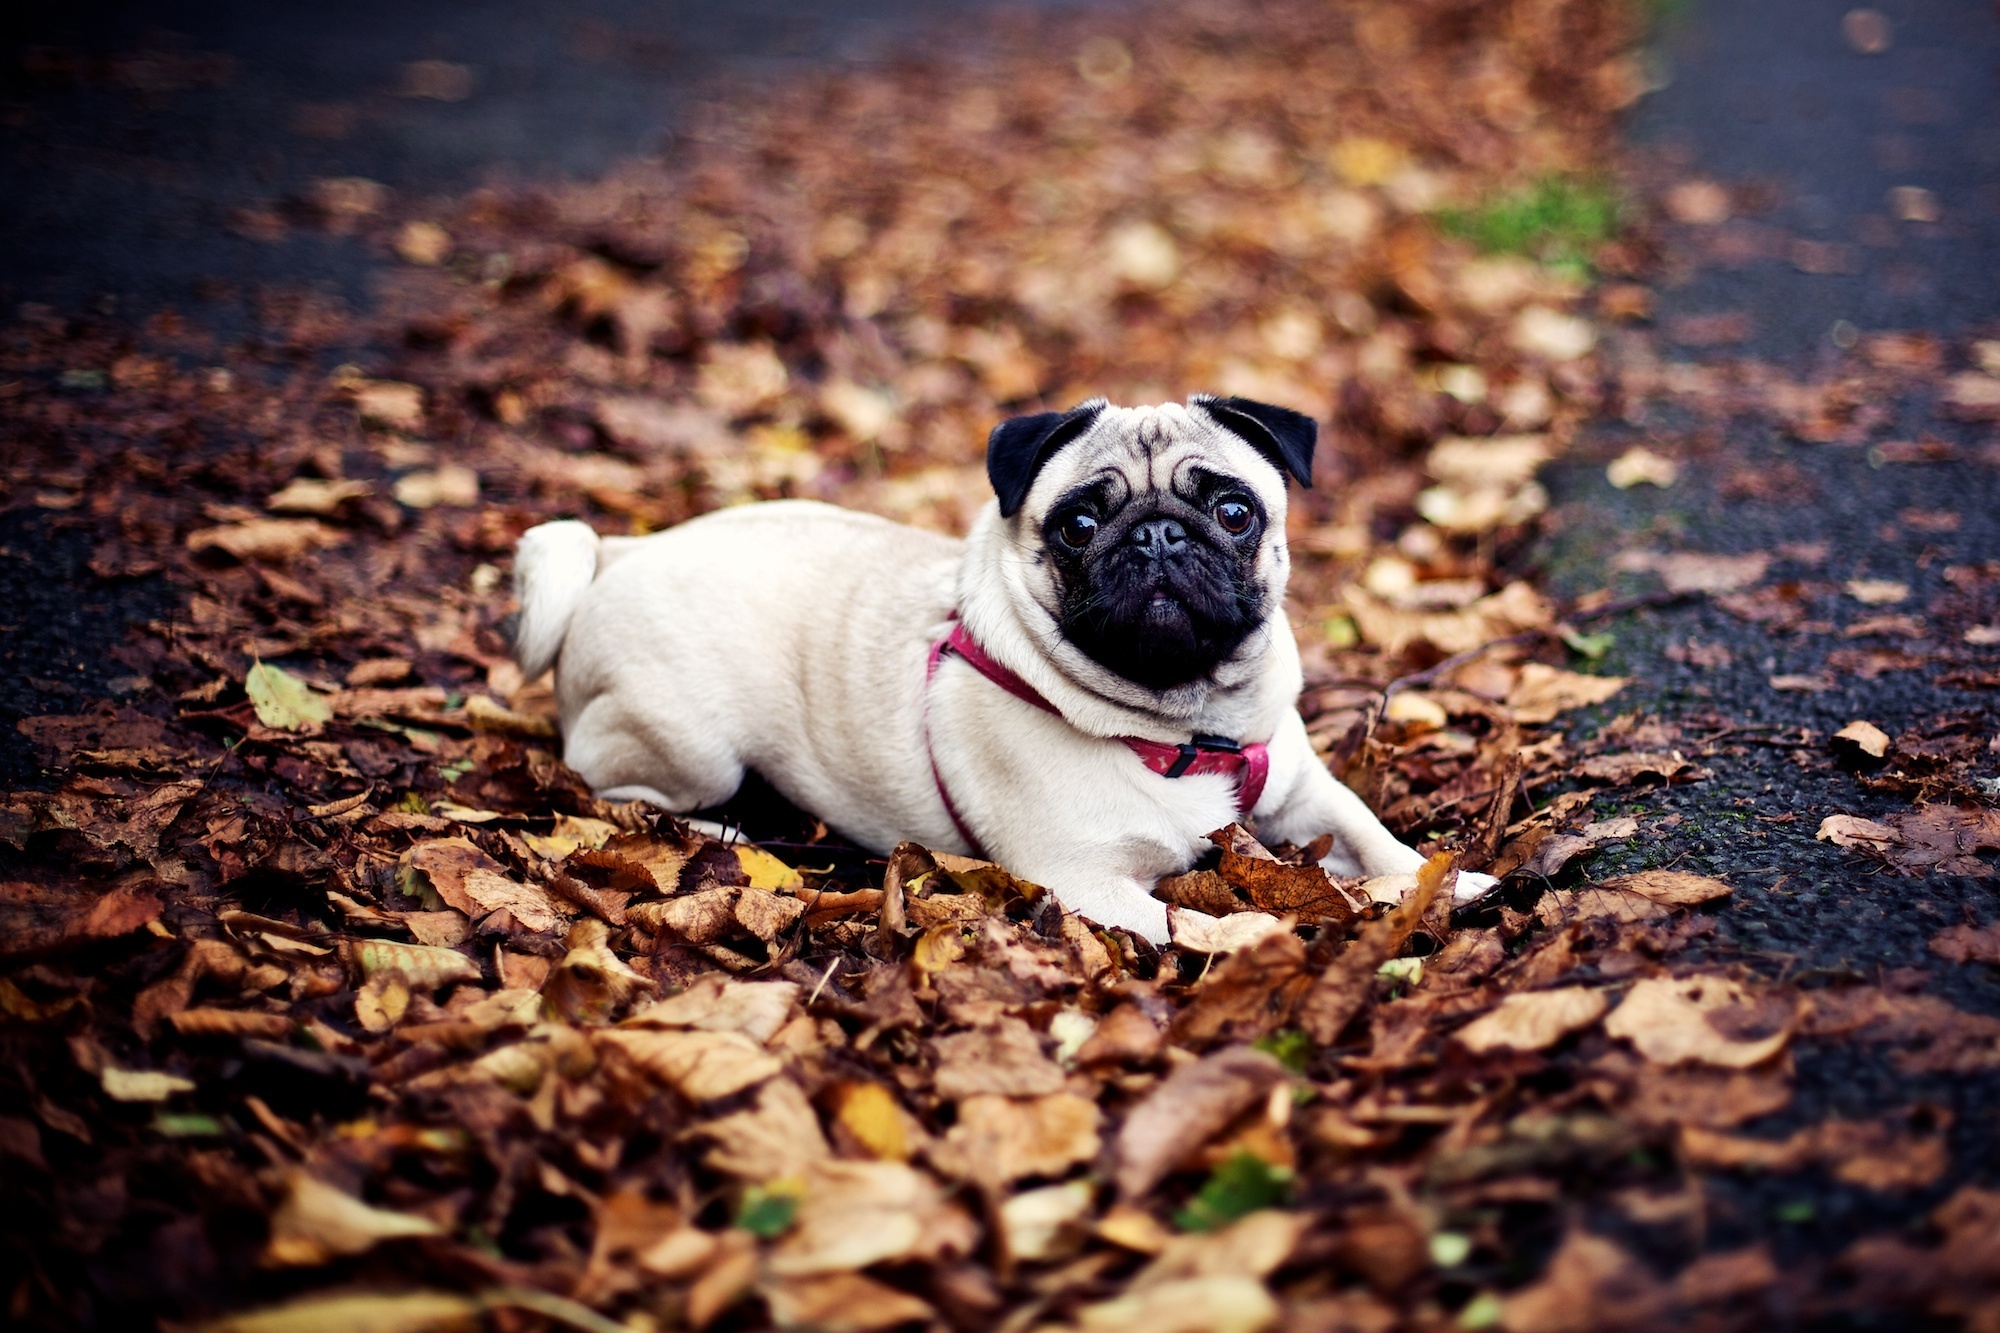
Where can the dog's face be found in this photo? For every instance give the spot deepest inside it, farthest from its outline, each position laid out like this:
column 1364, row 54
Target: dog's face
column 1157, row 533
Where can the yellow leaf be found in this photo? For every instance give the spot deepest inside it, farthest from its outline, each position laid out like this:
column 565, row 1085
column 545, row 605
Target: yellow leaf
column 869, row 1112
column 767, row 871
column 400, row 1312
column 317, row 1223
column 283, row 701
column 141, row 1085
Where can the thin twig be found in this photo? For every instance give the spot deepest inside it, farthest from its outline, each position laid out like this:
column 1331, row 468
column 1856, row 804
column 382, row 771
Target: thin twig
column 825, row 977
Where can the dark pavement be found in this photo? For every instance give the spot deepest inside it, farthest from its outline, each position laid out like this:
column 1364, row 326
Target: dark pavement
column 1811, row 138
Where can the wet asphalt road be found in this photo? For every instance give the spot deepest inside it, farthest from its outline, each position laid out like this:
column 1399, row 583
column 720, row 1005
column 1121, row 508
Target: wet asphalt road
column 1768, row 98
column 121, row 180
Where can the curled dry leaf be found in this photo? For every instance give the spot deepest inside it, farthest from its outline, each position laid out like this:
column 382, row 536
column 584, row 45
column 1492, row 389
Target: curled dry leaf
column 417, row 966
column 1195, row 1103
column 526, row 903
column 1865, row 737
column 1534, row 1020
column 1699, row 1018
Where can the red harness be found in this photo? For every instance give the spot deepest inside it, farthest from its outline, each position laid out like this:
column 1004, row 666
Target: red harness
column 1250, row 763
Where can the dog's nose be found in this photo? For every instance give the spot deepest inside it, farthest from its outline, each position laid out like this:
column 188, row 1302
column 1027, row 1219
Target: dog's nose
column 1159, row 537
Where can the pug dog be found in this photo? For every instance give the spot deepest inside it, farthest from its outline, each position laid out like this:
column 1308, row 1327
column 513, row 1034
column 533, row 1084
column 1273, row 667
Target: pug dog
column 1094, row 679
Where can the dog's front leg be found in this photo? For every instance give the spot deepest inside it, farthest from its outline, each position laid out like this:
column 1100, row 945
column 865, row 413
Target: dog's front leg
column 1303, row 800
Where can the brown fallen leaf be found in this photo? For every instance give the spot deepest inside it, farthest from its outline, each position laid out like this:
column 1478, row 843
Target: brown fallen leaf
column 1624, row 768
column 707, row 916
column 1195, row 1103
column 1542, row 693
column 701, row 1066
column 1199, row 932
column 1968, row 944
column 1125, row 1036
column 1927, row 1034
column 1591, row 1283
column 1731, row 1275
column 1702, row 1095
column 211, row 1022
column 1255, row 1245
column 1306, row 892
column 779, row 1137
column 38, row 919
column 1247, row 995
column 1339, row 992
column 715, row 1003
column 999, row 1140
column 1533, row 1020
column 842, row 1303
column 1670, row 888
column 1877, row 1154
column 1854, row 831
column 1672, row 1021
column 1005, row 1060
column 1865, row 738
column 444, row 864
column 278, row 540
column 1222, row 1303
column 526, row 903
column 855, row 1214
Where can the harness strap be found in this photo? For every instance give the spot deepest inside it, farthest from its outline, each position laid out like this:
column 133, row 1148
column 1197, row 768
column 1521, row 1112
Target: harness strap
column 1250, row 763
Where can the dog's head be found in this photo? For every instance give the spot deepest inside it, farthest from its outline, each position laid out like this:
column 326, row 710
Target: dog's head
column 1157, row 533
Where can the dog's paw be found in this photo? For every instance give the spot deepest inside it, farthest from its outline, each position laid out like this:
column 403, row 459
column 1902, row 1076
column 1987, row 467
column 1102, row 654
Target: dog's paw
column 1472, row 886
column 1129, row 908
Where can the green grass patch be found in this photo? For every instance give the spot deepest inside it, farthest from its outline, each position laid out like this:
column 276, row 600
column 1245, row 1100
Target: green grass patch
column 1560, row 220
column 1243, row 1184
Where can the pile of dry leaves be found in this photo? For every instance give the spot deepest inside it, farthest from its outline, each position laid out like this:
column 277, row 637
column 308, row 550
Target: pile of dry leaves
column 332, row 1001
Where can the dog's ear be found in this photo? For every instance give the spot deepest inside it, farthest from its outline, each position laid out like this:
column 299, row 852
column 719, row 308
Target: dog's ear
column 1019, row 446
column 1280, row 434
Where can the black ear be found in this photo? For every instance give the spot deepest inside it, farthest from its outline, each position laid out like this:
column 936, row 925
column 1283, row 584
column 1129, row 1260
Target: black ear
column 1280, row 434
column 1019, row 446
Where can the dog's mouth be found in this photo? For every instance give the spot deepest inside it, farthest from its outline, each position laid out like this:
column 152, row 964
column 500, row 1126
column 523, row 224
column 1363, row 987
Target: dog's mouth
column 1166, row 627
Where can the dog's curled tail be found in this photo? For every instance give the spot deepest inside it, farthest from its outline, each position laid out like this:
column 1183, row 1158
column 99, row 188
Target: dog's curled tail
column 553, row 565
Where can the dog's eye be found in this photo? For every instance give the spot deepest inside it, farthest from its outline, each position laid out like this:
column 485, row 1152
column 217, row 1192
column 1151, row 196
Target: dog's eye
column 1076, row 528
column 1234, row 516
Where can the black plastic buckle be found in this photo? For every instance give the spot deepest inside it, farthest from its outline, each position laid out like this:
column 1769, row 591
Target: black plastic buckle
column 1191, row 751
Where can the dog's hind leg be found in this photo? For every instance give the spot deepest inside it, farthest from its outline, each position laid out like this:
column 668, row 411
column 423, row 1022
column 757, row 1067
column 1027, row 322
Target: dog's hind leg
column 660, row 756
